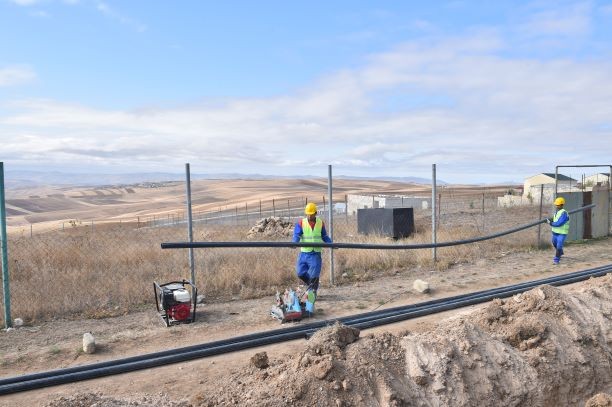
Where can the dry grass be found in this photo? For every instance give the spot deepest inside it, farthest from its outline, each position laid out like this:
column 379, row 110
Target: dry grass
column 110, row 270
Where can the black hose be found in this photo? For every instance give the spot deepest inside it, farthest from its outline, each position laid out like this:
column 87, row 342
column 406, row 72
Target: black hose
column 195, row 245
column 363, row 321
column 312, row 326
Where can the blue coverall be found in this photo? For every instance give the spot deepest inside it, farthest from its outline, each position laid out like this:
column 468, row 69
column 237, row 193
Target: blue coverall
column 559, row 238
column 308, row 266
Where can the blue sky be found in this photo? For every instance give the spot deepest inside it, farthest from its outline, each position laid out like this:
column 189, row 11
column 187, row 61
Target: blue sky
column 489, row 91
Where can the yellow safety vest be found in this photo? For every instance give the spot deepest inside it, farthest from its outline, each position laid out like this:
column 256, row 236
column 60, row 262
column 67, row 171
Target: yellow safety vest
column 563, row 229
column 310, row 235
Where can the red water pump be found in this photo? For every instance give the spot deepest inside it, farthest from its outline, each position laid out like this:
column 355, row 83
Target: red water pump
column 175, row 303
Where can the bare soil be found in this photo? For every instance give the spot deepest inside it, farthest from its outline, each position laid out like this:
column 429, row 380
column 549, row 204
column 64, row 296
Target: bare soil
column 46, row 207
column 548, row 347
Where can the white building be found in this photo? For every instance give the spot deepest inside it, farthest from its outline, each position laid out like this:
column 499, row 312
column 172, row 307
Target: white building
column 355, row 202
column 563, row 182
column 599, row 179
column 542, row 184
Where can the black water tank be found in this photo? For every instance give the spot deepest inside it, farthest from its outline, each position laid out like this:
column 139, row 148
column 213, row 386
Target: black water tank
column 390, row 222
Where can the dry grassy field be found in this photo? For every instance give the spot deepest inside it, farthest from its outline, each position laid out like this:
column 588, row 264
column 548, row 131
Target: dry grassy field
column 109, row 269
column 46, row 208
column 99, row 279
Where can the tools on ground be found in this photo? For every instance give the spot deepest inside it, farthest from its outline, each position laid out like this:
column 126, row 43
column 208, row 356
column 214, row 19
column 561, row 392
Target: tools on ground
column 293, row 305
column 175, row 304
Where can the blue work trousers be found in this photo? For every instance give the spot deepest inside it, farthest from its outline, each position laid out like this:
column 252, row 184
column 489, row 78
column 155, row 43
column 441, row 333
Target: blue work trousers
column 557, row 241
column 308, row 268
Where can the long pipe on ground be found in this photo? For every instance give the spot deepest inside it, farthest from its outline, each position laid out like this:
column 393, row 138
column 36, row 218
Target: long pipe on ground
column 186, row 245
column 362, row 321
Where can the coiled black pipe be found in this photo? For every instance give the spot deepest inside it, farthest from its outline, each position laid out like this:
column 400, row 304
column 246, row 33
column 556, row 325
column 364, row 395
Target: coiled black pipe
column 195, row 245
column 363, row 321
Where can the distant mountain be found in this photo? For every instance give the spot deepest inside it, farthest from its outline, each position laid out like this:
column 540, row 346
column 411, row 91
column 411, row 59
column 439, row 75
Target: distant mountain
column 26, row 179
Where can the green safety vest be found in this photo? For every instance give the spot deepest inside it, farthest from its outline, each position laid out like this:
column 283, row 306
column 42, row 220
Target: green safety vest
column 310, row 235
column 563, row 229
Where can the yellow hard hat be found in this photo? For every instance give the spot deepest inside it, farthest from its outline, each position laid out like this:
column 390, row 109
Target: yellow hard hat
column 559, row 201
column 310, row 209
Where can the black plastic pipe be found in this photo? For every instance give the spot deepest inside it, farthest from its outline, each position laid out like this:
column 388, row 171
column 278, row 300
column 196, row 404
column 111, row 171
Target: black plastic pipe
column 315, row 325
column 195, row 245
column 363, row 321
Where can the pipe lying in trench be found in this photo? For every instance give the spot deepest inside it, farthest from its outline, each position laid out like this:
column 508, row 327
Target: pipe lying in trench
column 362, row 321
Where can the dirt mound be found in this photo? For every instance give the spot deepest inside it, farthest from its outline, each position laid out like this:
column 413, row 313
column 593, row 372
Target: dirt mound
column 545, row 347
column 271, row 227
column 97, row 399
column 599, row 400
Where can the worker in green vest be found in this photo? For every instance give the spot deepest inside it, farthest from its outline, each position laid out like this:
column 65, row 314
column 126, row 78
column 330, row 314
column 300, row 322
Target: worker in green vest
column 310, row 229
column 560, row 227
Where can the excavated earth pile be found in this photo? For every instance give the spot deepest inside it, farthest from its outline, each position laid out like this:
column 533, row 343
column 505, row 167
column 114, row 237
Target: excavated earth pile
column 271, row 227
column 546, row 347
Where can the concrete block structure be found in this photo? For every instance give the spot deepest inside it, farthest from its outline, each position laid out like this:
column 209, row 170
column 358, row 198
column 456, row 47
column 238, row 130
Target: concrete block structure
column 355, row 202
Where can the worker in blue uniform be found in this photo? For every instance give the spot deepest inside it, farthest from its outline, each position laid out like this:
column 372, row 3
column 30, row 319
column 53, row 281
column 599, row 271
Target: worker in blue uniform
column 560, row 224
column 310, row 229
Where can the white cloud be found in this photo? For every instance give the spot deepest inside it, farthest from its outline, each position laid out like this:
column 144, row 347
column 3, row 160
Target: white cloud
column 113, row 14
column 16, row 75
column 501, row 114
column 560, row 20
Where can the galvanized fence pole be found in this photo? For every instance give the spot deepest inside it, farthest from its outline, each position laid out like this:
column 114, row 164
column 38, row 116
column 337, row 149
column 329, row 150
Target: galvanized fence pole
column 8, row 322
column 483, row 212
column 433, row 211
column 189, row 222
column 540, row 217
column 346, row 208
column 330, row 221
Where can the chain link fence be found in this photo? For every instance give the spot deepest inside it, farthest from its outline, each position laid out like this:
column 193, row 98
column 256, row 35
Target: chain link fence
column 98, row 269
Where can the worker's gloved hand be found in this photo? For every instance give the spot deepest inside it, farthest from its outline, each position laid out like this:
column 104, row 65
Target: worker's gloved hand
column 548, row 220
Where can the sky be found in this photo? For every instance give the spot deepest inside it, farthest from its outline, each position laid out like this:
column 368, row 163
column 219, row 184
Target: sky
column 489, row 91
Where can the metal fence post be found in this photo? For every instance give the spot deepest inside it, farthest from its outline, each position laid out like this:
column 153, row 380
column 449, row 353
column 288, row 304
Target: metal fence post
column 8, row 322
column 189, row 222
column 540, row 217
column 433, row 211
column 330, row 218
column 346, row 207
column 483, row 212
